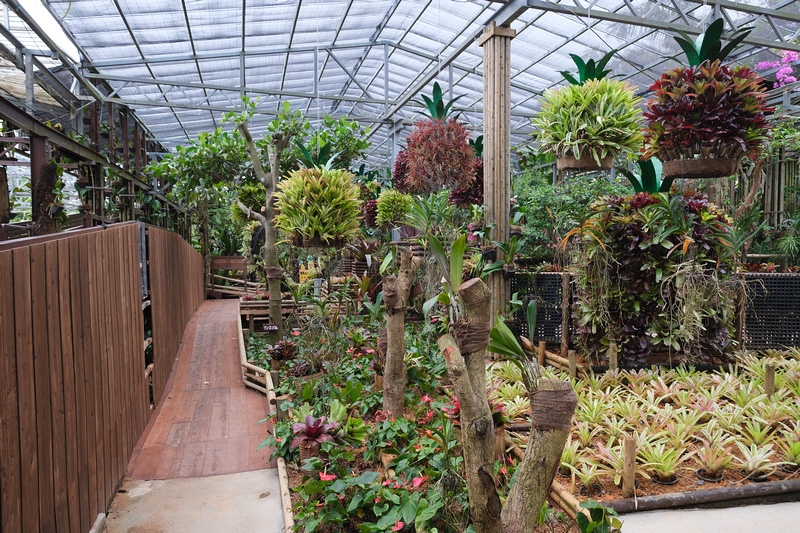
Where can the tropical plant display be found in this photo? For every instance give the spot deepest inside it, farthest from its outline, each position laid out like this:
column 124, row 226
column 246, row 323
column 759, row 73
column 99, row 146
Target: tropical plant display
column 596, row 119
column 318, row 206
column 438, row 155
column 711, row 110
column 654, row 275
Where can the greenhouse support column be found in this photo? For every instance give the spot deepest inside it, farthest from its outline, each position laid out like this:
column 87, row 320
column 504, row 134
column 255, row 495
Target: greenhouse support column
column 496, row 44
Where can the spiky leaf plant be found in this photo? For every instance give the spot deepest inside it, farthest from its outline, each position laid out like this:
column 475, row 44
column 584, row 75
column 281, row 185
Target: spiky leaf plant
column 392, row 207
column 704, row 111
column 318, row 206
column 708, row 45
column 588, row 70
column 438, row 155
column 597, row 118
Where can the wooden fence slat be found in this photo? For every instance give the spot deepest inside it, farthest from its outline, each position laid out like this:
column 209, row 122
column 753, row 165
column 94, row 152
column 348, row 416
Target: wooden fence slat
column 56, row 387
column 41, row 379
column 10, row 481
column 78, row 281
column 88, row 256
column 70, row 393
column 25, row 390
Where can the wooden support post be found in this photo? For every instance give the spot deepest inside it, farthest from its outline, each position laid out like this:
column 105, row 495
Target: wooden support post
column 769, row 380
column 496, row 44
column 137, row 160
column 573, row 364
column 613, row 362
column 564, row 313
column 540, row 353
column 629, row 467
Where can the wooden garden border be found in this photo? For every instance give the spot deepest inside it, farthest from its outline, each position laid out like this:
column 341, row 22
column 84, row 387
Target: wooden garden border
column 248, row 372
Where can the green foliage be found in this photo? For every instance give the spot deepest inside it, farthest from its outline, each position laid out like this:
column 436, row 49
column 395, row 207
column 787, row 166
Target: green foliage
column 437, row 109
column 708, row 45
column 338, row 143
column 553, row 211
column 393, row 206
column 597, row 118
column 649, row 178
column 317, row 206
column 603, row 519
column 588, row 70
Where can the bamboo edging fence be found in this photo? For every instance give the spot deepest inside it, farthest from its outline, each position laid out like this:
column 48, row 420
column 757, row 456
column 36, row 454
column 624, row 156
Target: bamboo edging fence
column 263, row 377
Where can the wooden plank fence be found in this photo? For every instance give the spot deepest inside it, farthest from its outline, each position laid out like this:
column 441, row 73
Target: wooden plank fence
column 176, row 286
column 73, row 395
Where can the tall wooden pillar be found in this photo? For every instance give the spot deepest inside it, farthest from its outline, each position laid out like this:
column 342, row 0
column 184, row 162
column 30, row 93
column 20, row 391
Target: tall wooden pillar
column 496, row 44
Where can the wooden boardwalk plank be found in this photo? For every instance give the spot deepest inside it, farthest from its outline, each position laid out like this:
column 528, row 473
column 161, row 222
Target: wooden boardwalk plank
column 207, row 421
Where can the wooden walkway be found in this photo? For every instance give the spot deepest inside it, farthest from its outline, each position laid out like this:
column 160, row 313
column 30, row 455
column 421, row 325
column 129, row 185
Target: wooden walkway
column 207, row 422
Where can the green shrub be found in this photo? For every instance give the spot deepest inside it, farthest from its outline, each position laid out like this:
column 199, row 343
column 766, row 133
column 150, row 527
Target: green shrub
column 393, row 206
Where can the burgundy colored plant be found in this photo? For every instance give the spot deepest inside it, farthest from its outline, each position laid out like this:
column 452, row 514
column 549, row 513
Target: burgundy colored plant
column 369, row 213
column 439, row 155
column 400, row 173
column 314, row 429
column 709, row 110
column 472, row 192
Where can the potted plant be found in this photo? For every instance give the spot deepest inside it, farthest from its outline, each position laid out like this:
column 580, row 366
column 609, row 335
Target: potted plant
column 586, row 125
column 791, row 452
column 393, row 206
column 663, row 461
column 702, row 119
column 318, row 207
column 281, row 352
column 309, row 436
column 713, row 459
column 756, row 462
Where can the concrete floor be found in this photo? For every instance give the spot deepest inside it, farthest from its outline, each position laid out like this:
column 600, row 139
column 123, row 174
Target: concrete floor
column 230, row 503
column 777, row 518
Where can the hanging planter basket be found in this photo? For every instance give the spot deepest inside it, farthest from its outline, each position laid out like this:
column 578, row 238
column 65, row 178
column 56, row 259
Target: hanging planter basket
column 586, row 163
column 712, row 167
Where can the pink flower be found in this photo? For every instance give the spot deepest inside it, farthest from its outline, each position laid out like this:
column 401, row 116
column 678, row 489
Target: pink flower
column 377, row 499
column 295, row 333
column 420, row 480
column 370, row 350
column 278, row 439
column 503, row 470
column 427, row 399
column 319, row 504
column 327, row 477
column 398, row 526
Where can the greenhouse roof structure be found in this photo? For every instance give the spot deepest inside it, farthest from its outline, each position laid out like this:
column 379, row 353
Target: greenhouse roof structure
column 181, row 65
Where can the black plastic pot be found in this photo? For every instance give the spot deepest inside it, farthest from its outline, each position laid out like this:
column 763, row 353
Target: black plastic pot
column 596, row 490
column 669, row 481
column 564, row 472
column 705, row 477
column 755, row 477
column 790, row 468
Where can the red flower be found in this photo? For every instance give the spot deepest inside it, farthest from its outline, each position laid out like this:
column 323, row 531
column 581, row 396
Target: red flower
column 398, row 526
column 326, row 477
column 420, row 480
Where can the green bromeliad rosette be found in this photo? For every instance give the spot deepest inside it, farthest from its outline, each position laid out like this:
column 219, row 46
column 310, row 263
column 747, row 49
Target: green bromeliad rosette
column 318, row 207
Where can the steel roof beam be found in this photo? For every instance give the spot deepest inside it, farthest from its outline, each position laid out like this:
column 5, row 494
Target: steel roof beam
column 502, row 17
column 611, row 16
column 230, row 88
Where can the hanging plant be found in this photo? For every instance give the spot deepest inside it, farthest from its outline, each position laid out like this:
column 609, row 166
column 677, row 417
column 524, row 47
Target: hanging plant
column 392, row 207
column 586, row 125
column 318, row 207
column 708, row 111
column 438, row 155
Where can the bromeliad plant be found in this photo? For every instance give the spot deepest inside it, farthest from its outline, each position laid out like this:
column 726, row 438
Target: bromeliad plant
column 596, row 119
column 709, row 110
column 318, row 207
column 588, row 70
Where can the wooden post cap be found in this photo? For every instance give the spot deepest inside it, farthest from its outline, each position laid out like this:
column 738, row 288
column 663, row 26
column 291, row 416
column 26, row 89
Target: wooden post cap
column 493, row 30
